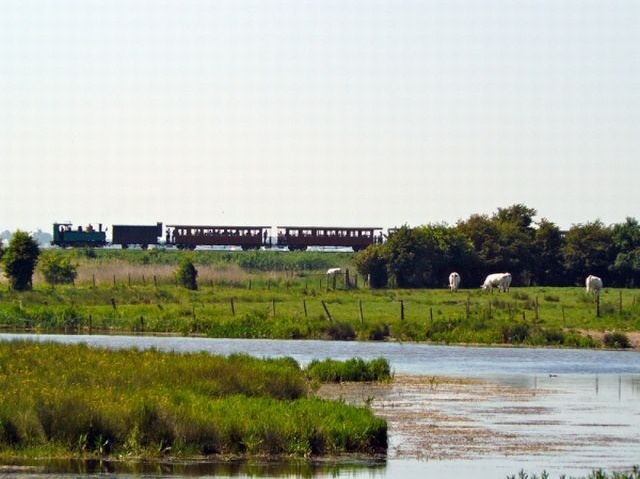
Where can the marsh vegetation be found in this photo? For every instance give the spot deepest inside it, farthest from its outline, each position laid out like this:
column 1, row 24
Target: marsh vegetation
column 74, row 400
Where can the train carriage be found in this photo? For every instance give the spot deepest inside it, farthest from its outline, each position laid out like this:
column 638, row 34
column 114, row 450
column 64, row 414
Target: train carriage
column 190, row 236
column 142, row 235
column 299, row 238
column 66, row 235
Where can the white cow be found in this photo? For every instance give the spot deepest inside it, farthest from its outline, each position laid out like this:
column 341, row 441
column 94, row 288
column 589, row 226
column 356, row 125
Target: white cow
column 502, row 281
column 593, row 284
column 334, row 271
column 454, row 282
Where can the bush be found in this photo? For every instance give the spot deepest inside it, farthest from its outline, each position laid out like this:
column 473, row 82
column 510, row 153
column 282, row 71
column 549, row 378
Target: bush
column 341, row 331
column 57, row 269
column 517, row 333
column 187, row 275
column 20, row 260
column 616, row 340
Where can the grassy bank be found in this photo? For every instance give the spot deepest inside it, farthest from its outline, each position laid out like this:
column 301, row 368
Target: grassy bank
column 65, row 400
column 282, row 295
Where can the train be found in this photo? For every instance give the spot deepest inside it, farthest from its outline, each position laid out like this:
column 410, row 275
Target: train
column 293, row 238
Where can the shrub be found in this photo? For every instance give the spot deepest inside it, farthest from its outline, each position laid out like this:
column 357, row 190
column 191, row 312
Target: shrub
column 187, row 275
column 379, row 333
column 57, row 269
column 20, row 260
column 341, row 331
column 517, row 333
column 616, row 340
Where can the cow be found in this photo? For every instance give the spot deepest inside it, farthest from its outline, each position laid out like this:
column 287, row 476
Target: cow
column 454, row 282
column 502, row 281
column 593, row 285
column 334, row 271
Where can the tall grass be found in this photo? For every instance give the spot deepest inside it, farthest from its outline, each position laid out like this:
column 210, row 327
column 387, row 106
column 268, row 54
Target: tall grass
column 76, row 400
column 355, row 369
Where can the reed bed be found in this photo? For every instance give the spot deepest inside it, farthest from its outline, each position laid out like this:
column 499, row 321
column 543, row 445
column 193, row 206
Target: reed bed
column 74, row 400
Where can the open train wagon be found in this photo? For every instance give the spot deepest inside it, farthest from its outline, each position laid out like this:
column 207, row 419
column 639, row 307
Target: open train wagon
column 65, row 235
column 301, row 237
column 129, row 235
column 189, row 236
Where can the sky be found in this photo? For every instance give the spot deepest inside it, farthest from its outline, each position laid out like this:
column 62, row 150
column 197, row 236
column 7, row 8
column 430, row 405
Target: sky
column 317, row 112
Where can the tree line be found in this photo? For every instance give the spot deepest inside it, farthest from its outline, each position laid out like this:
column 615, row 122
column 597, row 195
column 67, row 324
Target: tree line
column 534, row 252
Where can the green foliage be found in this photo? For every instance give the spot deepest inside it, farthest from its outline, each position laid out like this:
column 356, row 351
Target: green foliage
column 356, row 369
column 341, row 331
column 20, row 259
column 57, row 269
column 97, row 402
column 372, row 263
column 616, row 340
column 187, row 275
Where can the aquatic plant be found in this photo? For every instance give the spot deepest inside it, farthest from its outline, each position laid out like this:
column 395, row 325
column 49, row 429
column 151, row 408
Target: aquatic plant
column 78, row 400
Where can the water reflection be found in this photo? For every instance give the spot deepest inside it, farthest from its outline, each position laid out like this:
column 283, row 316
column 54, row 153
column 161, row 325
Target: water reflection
column 374, row 467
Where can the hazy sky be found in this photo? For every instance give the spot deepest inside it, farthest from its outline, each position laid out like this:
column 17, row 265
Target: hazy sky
column 317, row 112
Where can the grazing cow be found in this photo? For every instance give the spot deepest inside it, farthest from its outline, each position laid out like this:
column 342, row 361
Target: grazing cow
column 502, row 281
column 593, row 284
column 454, row 282
column 334, row 271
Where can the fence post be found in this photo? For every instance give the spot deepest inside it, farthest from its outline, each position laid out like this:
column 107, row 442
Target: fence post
column 233, row 308
column 326, row 310
column 94, row 280
column 597, row 305
column 402, row 310
column 360, row 308
column 620, row 304
column 468, row 306
column 304, row 305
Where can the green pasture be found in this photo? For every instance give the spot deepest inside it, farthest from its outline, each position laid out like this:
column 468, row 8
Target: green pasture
column 271, row 294
column 74, row 400
column 301, row 306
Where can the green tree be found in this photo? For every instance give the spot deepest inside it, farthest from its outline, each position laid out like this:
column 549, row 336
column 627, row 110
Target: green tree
column 626, row 243
column 516, row 241
column 20, row 259
column 548, row 269
column 484, row 235
column 372, row 263
column 587, row 250
column 407, row 257
column 187, row 275
column 57, row 269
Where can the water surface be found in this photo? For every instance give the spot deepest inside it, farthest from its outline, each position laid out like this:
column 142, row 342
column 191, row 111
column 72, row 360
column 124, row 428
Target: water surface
column 559, row 410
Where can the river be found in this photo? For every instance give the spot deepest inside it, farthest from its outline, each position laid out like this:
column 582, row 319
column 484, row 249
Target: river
column 482, row 412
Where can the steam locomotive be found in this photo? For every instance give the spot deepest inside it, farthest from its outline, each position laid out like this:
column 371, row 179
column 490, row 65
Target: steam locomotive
column 294, row 238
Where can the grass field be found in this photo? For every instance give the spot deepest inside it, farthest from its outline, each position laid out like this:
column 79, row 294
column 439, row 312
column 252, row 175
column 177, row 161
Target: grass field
column 291, row 298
